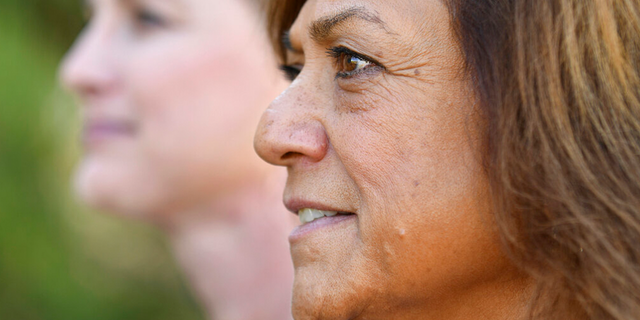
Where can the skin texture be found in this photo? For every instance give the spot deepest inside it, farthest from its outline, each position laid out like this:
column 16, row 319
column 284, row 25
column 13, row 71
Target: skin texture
column 171, row 92
column 399, row 144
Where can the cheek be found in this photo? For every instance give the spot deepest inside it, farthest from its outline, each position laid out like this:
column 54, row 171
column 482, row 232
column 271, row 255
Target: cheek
column 420, row 141
column 424, row 188
column 188, row 98
column 197, row 105
column 179, row 79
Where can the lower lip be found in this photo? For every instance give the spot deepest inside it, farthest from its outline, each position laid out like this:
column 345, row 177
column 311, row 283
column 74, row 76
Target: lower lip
column 96, row 135
column 320, row 224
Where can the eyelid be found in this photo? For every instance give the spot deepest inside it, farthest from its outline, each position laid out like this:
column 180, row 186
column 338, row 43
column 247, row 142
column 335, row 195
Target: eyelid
column 335, row 52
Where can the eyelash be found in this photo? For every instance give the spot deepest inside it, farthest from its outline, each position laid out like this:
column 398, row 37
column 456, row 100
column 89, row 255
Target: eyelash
column 291, row 72
column 338, row 54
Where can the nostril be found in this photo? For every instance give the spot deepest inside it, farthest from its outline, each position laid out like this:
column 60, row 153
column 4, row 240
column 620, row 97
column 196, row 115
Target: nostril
column 290, row 155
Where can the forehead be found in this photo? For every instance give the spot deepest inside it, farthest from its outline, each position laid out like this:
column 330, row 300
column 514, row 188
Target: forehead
column 400, row 17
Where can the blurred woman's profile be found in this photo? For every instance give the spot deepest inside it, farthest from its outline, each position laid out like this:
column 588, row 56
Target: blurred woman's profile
column 170, row 93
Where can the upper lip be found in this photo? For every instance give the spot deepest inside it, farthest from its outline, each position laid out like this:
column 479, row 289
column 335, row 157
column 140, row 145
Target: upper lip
column 295, row 205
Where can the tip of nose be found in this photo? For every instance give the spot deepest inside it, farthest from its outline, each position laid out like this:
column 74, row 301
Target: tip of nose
column 284, row 142
column 74, row 77
column 88, row 65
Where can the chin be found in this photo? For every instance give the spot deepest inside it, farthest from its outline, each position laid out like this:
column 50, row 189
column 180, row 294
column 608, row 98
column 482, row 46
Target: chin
column 328, row 297
column 114, row 189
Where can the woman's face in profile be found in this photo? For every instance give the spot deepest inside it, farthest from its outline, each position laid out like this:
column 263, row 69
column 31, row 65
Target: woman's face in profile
column 380, row 126
column 171, row 91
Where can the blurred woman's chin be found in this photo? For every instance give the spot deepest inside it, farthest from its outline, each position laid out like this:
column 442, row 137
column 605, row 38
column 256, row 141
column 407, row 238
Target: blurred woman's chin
column 108, row 188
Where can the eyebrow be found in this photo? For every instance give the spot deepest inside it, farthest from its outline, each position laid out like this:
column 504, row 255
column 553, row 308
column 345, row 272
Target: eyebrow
column 321, row 29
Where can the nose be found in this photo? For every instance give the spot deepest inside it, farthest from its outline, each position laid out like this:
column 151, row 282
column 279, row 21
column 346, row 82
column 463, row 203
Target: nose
column 88, row 69
column 290, row 132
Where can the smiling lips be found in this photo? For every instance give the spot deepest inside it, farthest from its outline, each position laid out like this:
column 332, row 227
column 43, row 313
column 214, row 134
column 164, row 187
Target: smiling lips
column 307, row 215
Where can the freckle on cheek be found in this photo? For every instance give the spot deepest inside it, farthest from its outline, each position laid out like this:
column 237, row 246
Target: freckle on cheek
column 416, row 72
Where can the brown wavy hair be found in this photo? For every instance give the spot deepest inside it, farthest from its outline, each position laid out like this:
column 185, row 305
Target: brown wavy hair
column 559, row 82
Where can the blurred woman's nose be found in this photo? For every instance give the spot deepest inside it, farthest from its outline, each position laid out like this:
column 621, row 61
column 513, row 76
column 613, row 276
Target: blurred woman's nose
column 88, row 69
column 291, row 131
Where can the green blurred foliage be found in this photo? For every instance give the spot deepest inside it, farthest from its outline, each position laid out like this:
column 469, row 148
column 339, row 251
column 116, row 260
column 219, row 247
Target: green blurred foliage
column 57, row 260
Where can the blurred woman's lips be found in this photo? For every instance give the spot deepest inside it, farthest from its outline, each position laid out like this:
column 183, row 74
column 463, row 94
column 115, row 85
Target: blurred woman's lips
column 97, row 131
column 315, row 217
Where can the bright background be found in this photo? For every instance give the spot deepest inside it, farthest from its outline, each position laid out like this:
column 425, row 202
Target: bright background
column 58, row 260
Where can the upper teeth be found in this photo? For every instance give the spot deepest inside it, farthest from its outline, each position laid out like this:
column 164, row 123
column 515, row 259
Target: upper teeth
column 308, row 215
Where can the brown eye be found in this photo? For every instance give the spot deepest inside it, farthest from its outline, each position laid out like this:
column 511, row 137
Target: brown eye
column 350, row 63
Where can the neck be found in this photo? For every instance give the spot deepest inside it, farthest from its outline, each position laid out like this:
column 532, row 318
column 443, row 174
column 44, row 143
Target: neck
column 234, row 252
column 505, row 297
